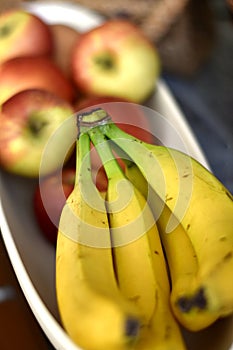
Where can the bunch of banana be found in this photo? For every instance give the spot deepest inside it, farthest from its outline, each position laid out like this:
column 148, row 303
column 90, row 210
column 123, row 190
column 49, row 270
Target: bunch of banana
column 111, row 277
column 152, row 254
column 195, row 216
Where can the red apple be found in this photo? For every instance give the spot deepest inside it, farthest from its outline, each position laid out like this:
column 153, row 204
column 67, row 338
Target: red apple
column 49, row 198
column 23, row 73
column 23, row 34
column 27, row 122
column 64, row 38
column 116, row 59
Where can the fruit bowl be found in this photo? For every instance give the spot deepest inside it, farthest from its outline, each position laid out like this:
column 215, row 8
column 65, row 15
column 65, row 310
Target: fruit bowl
column 32, row 257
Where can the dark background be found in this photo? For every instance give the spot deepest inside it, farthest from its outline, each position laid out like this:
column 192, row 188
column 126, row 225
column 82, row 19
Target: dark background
column 207, row 97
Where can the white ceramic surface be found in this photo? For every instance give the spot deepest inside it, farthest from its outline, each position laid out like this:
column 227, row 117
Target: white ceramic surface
column 32, row 257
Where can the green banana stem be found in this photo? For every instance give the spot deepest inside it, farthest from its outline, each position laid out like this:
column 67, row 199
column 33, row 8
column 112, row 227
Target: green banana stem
column 103, row 148
column 148, row 159
column 112, row 131
column 83, row 159
column 131, row 145
column 85, row 123
column 99, row 125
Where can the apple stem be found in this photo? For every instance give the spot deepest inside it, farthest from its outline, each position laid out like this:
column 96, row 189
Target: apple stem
column 106, row 62
column 36, row 126
column 5, row 31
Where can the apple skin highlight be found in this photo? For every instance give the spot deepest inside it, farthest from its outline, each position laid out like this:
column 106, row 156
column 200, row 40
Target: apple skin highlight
column 24, row 135
column 22, row 73
column 23, row 34
column 115, row 59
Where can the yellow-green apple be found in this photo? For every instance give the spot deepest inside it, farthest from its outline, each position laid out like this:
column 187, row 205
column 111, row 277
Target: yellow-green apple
column 116, row 59
column 23, row 34
column 23, row 73
column 64, row 38
column 28, row 120
column 49, row 198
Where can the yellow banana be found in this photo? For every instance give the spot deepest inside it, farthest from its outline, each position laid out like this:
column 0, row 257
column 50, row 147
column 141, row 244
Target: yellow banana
column 93, row 310
column 129, row 220
column 179, row 251
column 163, row 332
column 205, row 209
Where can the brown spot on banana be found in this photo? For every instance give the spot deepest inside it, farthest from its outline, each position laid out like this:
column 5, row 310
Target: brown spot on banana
column 228, row 256
column 197, row 301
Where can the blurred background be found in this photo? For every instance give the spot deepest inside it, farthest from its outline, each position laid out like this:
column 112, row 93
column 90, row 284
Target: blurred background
column 195, row 41
column 206, row 97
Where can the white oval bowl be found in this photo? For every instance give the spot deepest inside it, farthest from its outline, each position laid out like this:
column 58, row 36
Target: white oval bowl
column 32, row 257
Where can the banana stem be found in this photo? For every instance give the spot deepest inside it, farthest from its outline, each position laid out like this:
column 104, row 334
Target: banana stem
column 83, row 158
column 112, row 131
column 104, row 150
column 88, row 120
column 132, row 146
column 100, row 118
